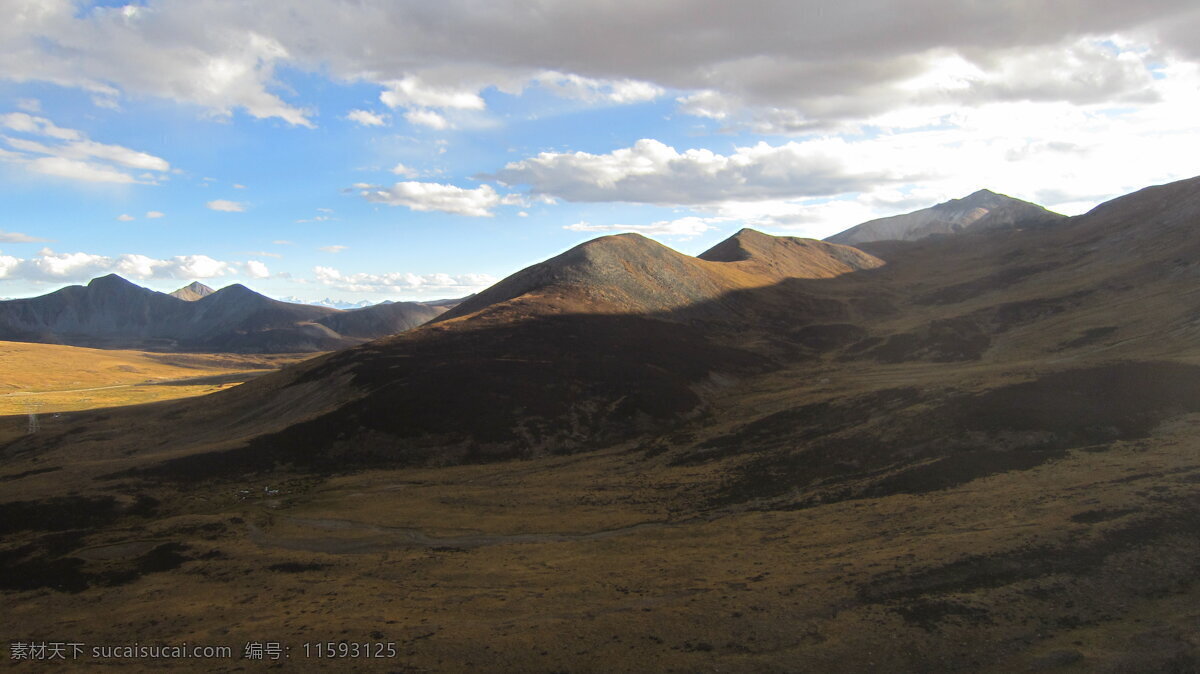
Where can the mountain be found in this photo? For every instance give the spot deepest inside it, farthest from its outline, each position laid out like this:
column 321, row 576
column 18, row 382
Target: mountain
column 192, row 291
column 980, row 211
column 385, row 318
column 110, row 312
column 631, row 274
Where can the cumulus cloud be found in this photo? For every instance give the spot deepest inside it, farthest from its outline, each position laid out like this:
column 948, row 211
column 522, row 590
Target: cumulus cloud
column 412, row 91
column 226, row 206
column 333, row 249
column 421, row 196
column 68, row 153
column 366, row 118
column 686, row 227
column 652, row 172
column 256, row 269
column 429, row 118
column 155, row 214
column 396, row 282
column 125, row 217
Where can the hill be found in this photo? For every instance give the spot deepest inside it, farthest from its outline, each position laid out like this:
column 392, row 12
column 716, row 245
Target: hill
column 631, row 274
column 982, row 210
column 111, row 312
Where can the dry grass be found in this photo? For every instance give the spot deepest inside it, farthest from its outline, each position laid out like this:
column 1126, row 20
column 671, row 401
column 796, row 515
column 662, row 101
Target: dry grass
column 54, row 378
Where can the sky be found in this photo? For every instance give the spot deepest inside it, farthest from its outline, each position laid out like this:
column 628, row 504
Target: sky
column 375, row 150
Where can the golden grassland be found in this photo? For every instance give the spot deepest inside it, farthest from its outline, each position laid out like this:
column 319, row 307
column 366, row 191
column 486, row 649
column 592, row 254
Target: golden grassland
column 52, row 378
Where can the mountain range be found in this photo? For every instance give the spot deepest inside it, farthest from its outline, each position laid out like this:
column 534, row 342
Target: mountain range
column 111, row 312
column 970, row 452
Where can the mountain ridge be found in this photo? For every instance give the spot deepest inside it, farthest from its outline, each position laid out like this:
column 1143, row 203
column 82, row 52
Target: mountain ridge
column 112, row 312
column 979, row 211
column 630, row 273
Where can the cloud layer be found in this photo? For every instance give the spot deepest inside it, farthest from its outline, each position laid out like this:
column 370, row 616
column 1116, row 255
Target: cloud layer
column 398, row 282
column 798, row 63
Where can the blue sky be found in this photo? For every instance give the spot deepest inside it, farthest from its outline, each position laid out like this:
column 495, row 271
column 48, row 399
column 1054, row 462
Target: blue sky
column 312, row 150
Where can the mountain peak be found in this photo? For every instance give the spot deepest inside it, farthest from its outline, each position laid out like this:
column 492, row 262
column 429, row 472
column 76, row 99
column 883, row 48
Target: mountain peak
column 193, row 291
column 236, row 290
column 110, row 281
column 983, row 193
column 980, row 210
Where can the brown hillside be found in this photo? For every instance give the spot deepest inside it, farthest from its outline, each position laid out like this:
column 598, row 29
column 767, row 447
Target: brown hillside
column 631, row 274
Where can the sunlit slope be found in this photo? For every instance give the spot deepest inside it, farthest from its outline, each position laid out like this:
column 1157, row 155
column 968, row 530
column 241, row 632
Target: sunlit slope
column 55, row 378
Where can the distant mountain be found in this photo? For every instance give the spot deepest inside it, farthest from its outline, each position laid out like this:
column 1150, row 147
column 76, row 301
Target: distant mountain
column 980, row 211
column 385, row 318
column 192, row 292
column 110, row 312
column 327, row 302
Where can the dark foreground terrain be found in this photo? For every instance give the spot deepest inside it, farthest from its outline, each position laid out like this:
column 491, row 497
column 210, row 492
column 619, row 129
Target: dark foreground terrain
column 981, row 456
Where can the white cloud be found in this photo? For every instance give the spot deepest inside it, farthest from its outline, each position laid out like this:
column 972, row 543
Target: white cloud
column 125, row 217
column 155, row 214
column 238, row 186
column 68, row 153
column 595, row 90
column 282, row 242
column 17, row 237
column 405, row 171
column 226, row 205
column 412, row 91
column 429, row 118
column 685, row 227
column 397, row 282
column 38, row 126
column 29, row 104
column 256, row 269
column 77, row 170
column 48, row 265
column 333, row 249
column 421, row 196
column 652, row 172
column 366, row 118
